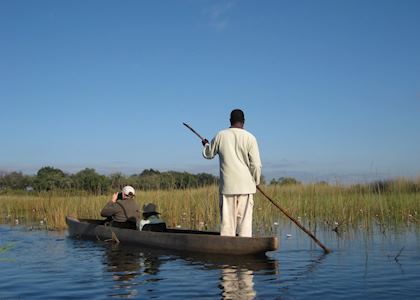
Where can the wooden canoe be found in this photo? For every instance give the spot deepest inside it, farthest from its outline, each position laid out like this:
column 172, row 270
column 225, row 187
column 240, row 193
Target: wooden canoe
column 174, row 239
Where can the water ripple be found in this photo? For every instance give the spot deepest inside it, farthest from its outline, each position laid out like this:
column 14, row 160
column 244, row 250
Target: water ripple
column 45, row 265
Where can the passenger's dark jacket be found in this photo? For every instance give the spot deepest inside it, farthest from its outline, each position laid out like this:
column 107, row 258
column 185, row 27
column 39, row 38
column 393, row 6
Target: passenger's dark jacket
column 122, row 211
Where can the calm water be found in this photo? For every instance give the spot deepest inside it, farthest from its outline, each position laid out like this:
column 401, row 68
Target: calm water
column 37, row 264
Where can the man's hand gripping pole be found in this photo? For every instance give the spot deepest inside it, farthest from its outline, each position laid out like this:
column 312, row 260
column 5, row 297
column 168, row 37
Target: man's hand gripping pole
column 203, row 140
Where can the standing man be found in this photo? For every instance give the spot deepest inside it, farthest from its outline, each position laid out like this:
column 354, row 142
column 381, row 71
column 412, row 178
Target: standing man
column 240, row 172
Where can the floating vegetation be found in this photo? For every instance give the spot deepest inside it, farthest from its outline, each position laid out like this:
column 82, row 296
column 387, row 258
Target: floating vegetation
column 4, row 249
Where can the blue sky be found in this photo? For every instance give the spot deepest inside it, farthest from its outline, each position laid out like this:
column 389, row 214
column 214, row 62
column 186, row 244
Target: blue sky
column 331, row 89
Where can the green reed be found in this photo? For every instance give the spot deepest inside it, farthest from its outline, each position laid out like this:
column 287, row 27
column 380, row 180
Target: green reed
column 331, row 207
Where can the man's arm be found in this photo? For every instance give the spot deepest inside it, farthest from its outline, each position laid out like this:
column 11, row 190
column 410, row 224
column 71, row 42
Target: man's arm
column 111, row 208
column 255, row 162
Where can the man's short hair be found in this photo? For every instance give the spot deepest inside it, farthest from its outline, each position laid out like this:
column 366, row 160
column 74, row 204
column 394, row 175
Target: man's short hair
column 237, row 115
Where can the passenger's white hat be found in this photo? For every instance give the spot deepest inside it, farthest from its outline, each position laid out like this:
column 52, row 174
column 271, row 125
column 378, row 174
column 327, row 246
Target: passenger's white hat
column 128, row 189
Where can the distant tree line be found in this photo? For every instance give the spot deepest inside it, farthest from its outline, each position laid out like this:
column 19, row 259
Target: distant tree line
column 284, row 181
column 88, row 180
column 50, row 178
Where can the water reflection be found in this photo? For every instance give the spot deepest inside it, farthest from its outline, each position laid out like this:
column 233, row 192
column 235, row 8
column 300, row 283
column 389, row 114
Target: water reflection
column 236, row 272
column 237, row 283
column 237, row 275
column 134, row 268
column 126, row 264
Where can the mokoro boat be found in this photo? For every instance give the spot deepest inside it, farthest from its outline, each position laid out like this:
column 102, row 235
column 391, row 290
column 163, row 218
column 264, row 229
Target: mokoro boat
column 175, row 239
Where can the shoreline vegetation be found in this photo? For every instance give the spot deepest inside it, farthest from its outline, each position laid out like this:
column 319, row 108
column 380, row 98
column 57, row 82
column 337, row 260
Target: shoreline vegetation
column 89, row 181
column 385, row 204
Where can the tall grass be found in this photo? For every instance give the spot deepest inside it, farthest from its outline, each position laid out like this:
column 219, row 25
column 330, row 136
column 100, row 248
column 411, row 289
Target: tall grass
column 332, row 207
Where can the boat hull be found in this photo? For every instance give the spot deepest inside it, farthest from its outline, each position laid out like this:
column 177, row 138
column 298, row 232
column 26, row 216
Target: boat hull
column 180, row 240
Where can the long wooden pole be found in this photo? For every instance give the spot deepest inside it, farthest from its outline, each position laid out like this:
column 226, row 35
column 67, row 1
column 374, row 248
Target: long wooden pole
column 192, row 129
column 326, row 250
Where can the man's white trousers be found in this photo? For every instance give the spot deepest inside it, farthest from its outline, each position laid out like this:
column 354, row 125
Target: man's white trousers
column 236, row 215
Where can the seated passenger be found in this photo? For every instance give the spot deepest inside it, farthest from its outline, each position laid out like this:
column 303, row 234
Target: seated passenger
column 151, row 220
column 122, row 211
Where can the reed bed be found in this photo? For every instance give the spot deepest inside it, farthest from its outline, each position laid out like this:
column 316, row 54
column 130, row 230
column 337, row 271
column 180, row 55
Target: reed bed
column 331, row 207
